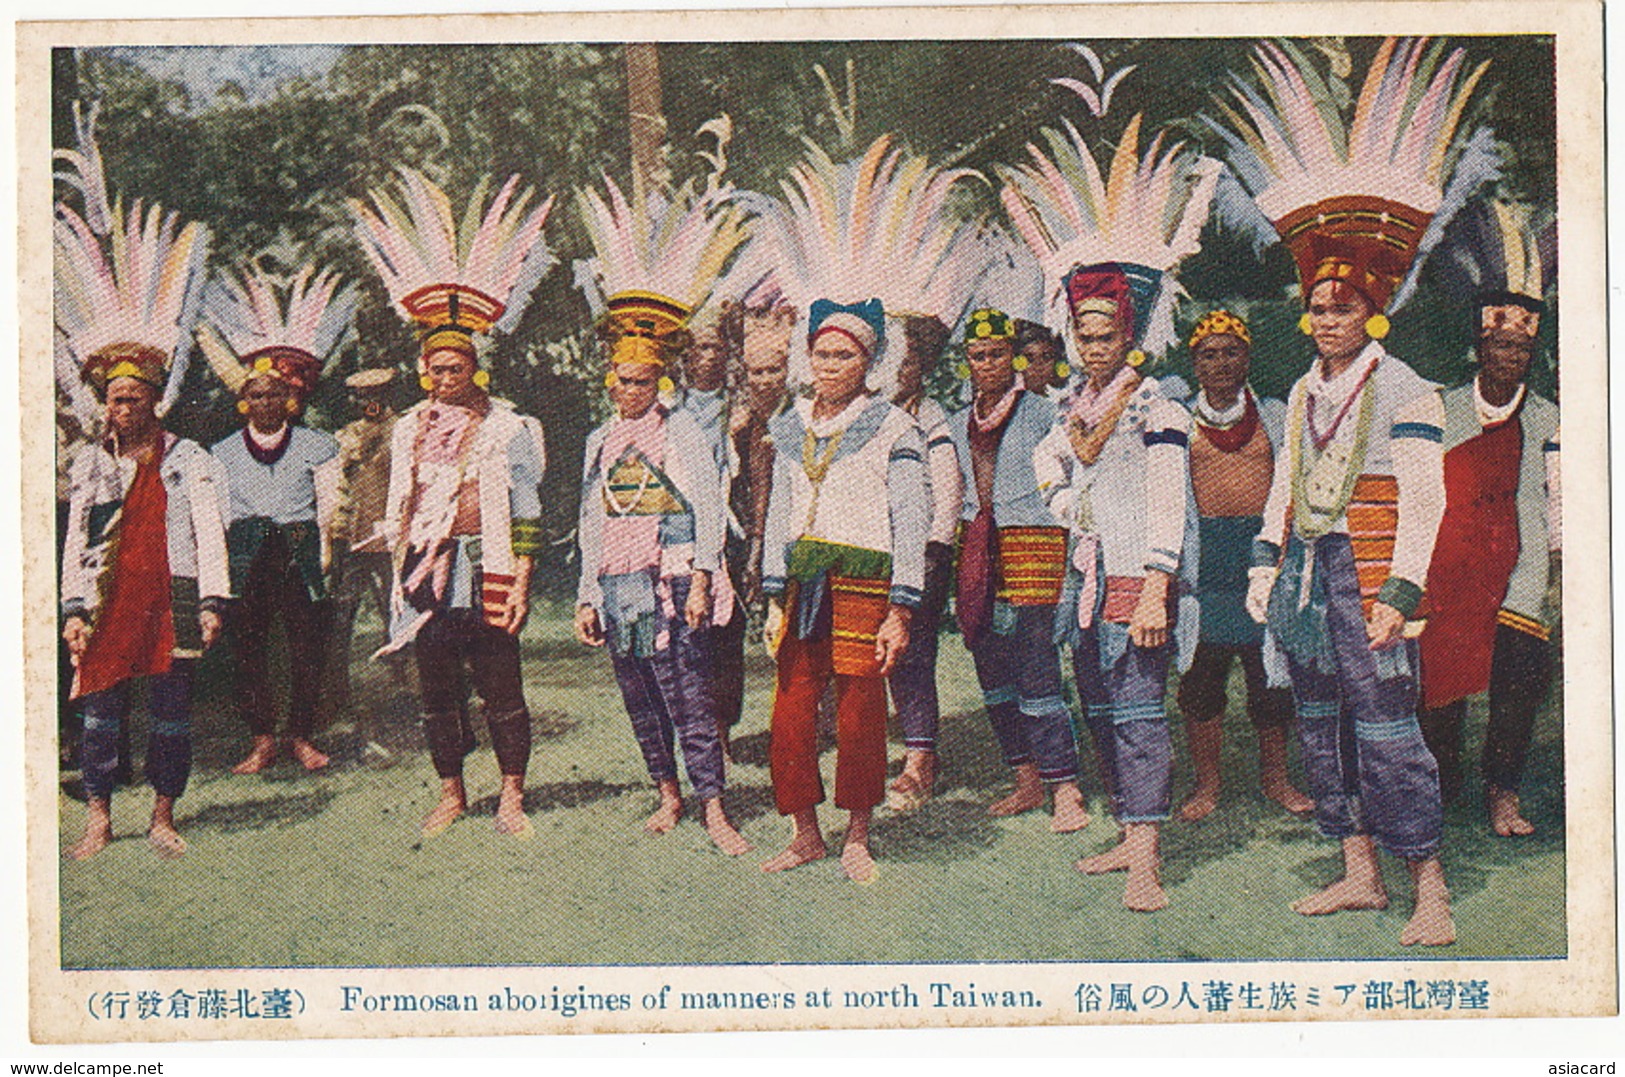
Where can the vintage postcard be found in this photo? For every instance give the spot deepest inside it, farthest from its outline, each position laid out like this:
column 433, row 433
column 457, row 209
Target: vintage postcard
column 830, row 519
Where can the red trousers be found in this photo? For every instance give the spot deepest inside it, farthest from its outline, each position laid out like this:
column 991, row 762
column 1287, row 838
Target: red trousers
column 860, row 732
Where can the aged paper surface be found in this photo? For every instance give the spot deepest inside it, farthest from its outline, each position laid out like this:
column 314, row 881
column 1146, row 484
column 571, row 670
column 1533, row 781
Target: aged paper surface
column 322, row 912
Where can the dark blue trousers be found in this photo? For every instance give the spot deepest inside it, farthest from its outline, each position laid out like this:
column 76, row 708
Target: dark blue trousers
column 169, row 748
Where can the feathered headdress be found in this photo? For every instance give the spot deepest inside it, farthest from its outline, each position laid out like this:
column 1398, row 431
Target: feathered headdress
column 455, row 279
column 1129, row 227
column 127, row 310
column 1500, row 257
column 656, row 260
column 1361, row 200
column 878, row 227
column 250, row 332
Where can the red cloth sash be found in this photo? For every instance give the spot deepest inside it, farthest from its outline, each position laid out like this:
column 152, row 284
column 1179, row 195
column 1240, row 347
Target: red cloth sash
column 135, row 626
column 1473, row 559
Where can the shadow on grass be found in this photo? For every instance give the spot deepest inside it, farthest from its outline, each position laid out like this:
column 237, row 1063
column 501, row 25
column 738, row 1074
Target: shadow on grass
column 550, row 796
column 942, row 830
column 260, row 813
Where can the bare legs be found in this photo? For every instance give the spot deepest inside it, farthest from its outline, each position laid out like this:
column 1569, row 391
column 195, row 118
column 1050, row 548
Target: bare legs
column 807, row 845
column 1069, row 813
column 1207, row 738
column 162, row 835
column 1136, row 854
column 510, row 816
column 1361, row 887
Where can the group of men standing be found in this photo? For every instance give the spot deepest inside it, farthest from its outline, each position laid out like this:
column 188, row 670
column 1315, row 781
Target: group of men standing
column 1370, row 553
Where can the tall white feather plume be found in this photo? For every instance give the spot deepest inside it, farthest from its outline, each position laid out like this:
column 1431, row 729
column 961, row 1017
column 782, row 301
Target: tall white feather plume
column 141, row 288
column 674, row 243
column 880, row 226
column 85, row 170
column 1291, row 146
column 313, row 314
column 1148, row 210
column 413, row 241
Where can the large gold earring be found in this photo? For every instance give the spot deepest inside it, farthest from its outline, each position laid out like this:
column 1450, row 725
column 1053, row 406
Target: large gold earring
column 1136, row 357
column 666, row 385
column 1377, row 326
column 292, row 405
column 610, row 380
column 1063, row 370
column 1303, row 325
column 1020, row 362
column 427, row 383
column 482, row 378
column 242, row 407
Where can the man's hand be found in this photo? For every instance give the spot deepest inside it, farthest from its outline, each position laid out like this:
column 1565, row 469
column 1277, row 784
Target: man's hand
column 513, row 618
column 77, row 634
column 1148, row 625
column 773, row 627
column 697, row 610
column 1384, row 626
column 588, row 628
column 891, row 639
column 209, row 622
column 1260, row 582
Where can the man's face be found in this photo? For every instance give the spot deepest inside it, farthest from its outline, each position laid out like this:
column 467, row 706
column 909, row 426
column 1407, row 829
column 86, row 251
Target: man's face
column 766, row 372
column 267, row 400
column 838, row 367
column 1221, row 362
column 131, row 405
column 706, row 362
column 1337, row 317
column 637, row 386
column 1504, row 358
column 1101, row 345
column 992, row 369
column 1041, row 359
column 451, row 373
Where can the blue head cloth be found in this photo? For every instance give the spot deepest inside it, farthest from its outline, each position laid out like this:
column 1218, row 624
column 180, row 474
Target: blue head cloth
column 864, row 323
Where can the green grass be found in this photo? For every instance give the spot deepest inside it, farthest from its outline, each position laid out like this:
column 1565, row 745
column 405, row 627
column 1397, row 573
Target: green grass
column 287, row 869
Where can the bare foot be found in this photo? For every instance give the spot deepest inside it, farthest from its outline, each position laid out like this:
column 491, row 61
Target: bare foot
column 910, row 790
column 1200, row 804
column 1114, row 859
column 665, row 817
column 858, row 864
column 1070, row 815
column 1344, row 895
column 166, row 841
column 1029, row 794
column 511, row 817
column 1506, row 815
column 309, row 756
column 1143, row 891
column 94, row 841
column 722, row 832
column 259, row 757
column 1288, row 797
column 803, row 849
column 445, row 813
column 1430, row 925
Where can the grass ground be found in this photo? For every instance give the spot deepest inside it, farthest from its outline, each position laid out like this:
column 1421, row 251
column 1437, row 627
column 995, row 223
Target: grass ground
column 289, row 869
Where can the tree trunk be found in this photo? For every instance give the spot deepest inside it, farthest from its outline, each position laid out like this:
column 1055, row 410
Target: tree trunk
column 648, row 125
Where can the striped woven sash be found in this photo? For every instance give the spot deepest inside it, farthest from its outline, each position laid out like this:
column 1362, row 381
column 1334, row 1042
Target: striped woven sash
column 1032, row 565
column 857, row 606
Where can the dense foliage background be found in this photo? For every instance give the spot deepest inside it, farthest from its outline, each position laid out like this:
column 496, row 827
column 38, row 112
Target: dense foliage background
column 266, row 160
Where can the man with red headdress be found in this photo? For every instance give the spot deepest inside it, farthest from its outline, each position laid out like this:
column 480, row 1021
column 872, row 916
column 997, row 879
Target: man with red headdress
column 272, row 525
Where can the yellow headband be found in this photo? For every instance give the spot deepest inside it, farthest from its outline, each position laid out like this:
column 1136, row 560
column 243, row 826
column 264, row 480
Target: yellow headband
column 641, row 351
column 1220, row 322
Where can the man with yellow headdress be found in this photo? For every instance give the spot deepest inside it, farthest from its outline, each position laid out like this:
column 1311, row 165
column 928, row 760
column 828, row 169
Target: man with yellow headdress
column 463, row 516
column 654, row 586
column 1341, row 559
column 144, row 578
column 1234, row 435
